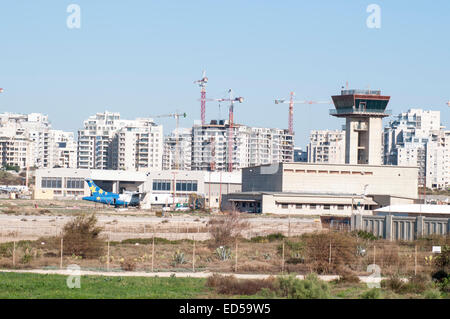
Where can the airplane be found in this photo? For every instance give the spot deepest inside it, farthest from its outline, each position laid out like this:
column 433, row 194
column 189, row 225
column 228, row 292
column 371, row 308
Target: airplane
column 98, row 195
column 13, row 189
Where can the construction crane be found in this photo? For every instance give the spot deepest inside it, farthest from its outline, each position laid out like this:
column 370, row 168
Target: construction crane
column 177, row 118
column 202, row 84
column 232, row 100
column 291, row 103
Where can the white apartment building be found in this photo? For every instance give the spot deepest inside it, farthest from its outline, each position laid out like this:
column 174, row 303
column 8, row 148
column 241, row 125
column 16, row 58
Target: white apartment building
column 178, row 150
column 251, row 146
column 62, row 149
column 28, row 140
column 137, row 146
column 416, row 138
column 326, row 146
column 109, row 142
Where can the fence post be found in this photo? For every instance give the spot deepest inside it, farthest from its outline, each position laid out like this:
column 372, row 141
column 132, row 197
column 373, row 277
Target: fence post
column 282, row 258
column 329, row 256
column 374, row 254
column 14, row 253
column 107, row 259
column 289, row 226
column 236, row 258
column 193, row 255
column 153, row 248
column 415, row 260
column 61, row 259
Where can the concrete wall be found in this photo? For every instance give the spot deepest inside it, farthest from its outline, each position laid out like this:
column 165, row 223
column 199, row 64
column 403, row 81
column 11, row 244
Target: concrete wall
column 401, row 227
column 335, row 178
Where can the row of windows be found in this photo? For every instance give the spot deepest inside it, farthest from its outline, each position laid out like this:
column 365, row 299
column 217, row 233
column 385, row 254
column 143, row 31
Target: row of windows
column 56, row 182
column 315, row 206
column 51, row 182
column 166, row 185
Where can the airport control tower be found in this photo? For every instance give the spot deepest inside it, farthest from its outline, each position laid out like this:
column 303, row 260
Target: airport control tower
column 364, row 111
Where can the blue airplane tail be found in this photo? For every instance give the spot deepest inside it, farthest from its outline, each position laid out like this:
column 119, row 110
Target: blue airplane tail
column 95, row 190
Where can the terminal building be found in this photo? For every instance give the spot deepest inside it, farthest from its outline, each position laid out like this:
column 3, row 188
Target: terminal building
column 361, row 184
column 156, row 188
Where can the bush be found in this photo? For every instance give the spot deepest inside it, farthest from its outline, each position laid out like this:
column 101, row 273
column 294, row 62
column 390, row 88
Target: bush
column 128, row 265
column 442, row 260
column 364, row 235
column 343, row 251
column 432, row 294
column 373, row 293
column 267, row 239
column 393, row 283
column 230, row 285
column 223, row 253
column 226, row 229
column 348, row 277
column 309, row 288
column 417, row 284
column 81, row 237
column 178, row 258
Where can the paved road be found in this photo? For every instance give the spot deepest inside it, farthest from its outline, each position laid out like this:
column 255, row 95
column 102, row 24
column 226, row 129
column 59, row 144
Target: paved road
column 364, row 279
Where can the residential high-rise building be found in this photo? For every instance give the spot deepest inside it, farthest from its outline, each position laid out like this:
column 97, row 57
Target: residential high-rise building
column 326, row 146
column 137, row 146
column 28, row 140
column 109, row 142
column 177, row 155
column 251, row 146
column 416, row 138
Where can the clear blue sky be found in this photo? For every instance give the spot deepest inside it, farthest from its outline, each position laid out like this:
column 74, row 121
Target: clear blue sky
column 141, row 57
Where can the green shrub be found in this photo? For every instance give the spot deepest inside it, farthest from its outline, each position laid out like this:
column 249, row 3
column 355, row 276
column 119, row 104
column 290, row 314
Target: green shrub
column 267, row 239
column 223, row 253
column 364, row 235
column 178, row 258
column 373, row 293
column 393, row 283
column 309, row 288
column 432, row 294
column 81, row 237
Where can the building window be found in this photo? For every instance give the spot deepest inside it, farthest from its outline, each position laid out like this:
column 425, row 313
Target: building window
column 161, row 185
column 51, row 182
column 340, row 207
column 312, row 206
column 284, row 206
column 326, row 206
column 298, row 206
column 75, row 183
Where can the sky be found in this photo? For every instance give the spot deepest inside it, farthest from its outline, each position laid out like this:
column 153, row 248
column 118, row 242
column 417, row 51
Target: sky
column 141, row 58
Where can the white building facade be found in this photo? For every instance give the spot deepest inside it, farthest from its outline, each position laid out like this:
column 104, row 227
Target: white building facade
column 416, row 138
column 326, row 146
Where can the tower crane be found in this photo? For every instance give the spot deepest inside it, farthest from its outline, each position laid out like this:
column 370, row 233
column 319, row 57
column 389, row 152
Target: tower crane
column 177, row 118
column 202, row 83
column 232, row 100
column 291, row 103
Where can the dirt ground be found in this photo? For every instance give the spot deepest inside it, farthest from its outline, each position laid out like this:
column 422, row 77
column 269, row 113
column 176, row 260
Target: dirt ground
column 31, row 219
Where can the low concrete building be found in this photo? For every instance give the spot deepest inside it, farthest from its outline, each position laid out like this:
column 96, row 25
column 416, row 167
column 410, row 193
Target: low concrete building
column 302, row 188
column 156, row 187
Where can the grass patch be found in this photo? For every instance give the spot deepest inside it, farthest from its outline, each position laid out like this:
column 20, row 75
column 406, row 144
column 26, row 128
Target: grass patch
column 37, row 286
